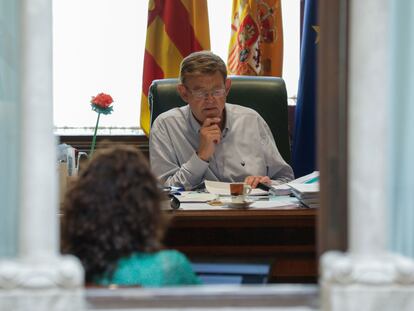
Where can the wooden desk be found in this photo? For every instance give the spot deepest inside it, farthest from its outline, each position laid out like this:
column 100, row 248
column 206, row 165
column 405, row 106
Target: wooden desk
column 286, row 238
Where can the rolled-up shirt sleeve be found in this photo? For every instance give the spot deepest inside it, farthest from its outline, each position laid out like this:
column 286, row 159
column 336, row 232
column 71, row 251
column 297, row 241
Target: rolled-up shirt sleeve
column 164, row 162
column 278, row 170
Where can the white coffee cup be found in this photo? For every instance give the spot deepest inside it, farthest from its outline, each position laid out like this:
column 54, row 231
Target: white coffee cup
column 239, row 191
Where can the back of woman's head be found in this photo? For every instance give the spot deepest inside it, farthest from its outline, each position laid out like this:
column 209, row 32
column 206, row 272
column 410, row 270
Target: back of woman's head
column 112, row 210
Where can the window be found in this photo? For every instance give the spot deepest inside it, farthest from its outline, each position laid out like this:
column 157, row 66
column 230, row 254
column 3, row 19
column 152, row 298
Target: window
column 98, row 46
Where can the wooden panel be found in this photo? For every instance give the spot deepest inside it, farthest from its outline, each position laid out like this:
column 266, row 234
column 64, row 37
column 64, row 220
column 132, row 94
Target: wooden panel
column 284, row 238
column 83, row 143
column 332, row 124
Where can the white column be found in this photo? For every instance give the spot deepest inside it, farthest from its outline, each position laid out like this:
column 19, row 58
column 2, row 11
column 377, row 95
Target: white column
column 39, row 279
column 368, row 125
column 38, row 221
column 368, row 277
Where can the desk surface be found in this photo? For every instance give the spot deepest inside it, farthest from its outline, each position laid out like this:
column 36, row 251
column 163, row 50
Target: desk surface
column 300, row 217
column 286, row 237
column 243, row 213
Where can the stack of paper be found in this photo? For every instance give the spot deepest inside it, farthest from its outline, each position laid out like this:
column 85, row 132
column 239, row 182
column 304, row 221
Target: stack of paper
column 307, row 179
column 282, row 189
column 307, row 194
column 285, row 189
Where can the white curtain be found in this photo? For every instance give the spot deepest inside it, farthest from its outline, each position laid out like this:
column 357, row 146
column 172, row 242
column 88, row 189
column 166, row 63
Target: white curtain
column 9, row 125
column 401, row 105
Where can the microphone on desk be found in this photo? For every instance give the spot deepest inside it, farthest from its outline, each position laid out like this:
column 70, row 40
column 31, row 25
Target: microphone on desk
column 174, row 202
column 171, row 193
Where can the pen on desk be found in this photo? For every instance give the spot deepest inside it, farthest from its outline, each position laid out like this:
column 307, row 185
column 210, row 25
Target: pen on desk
column 261, row 198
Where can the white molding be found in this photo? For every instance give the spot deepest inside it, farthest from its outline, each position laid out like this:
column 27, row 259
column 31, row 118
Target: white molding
column 63, row 272
column 371, row 283
column 42, row 300
column 55, row 283
column 386, row 269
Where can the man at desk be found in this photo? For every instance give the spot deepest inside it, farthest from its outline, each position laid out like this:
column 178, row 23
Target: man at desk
column 209, row 139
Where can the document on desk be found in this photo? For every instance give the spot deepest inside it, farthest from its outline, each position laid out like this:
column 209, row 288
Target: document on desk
column 223, row 188
column 306, row 188
column 195, row 197
column 280, row 202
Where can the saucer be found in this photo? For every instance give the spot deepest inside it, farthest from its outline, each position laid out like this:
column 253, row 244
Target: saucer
column 244, row 204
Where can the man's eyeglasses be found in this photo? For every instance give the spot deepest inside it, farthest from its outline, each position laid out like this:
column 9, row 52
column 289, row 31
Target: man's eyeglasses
column 217, row 93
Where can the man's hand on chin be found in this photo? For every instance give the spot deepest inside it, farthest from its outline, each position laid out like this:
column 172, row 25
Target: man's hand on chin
column 210, row 135
column 254, row 180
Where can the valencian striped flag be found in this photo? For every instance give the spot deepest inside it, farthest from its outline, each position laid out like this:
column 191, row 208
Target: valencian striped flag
column 175, row 29
column 304, row 142
column 256, row 43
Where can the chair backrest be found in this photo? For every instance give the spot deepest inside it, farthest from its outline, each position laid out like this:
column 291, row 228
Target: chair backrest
column 266, row 95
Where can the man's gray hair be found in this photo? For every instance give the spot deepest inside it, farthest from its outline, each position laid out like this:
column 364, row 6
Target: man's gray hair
column 201, row 63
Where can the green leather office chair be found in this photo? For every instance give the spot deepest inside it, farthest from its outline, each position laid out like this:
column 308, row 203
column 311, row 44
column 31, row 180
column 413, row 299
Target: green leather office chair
column 266, row 95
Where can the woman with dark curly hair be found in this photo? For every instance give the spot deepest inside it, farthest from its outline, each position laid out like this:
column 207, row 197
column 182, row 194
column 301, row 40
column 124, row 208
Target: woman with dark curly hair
column 113, row 223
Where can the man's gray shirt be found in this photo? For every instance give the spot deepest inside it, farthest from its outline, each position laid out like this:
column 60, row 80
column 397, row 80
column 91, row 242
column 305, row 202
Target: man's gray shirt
column 247, row 148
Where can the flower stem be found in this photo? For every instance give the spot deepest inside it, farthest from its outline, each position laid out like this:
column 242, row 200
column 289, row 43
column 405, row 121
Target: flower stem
column 94, row 136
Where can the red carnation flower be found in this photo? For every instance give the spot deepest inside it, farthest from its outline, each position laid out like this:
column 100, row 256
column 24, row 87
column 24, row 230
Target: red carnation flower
column 102, row 100
column 100, row 103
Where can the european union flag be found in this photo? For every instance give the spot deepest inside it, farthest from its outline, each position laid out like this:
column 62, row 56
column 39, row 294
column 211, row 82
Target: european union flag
column 304, row 142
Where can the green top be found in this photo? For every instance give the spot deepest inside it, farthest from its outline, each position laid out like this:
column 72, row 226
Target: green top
column 163, row 268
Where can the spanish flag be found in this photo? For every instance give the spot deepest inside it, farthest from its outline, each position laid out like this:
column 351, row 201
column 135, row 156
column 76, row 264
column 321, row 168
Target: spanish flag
column 175, row 29
column 256, row 43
